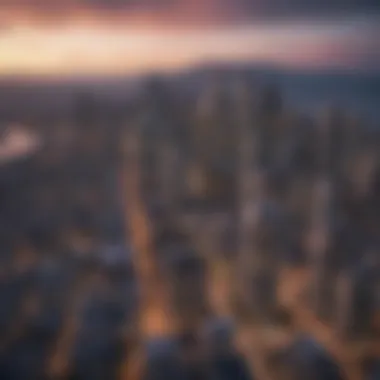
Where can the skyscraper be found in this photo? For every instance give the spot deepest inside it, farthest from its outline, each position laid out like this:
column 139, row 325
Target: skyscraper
column 214, row 142
column 324, row 216
column 258, row 213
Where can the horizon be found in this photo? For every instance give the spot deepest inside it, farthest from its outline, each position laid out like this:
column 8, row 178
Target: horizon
column 102, row 39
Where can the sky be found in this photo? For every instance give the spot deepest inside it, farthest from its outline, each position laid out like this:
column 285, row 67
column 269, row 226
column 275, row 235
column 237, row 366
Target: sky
column 101, row 37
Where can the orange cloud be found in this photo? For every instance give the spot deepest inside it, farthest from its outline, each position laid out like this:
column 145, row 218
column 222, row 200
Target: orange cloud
column 173, row 11
column 112, row 36
column 107, row 50
column 182, row 13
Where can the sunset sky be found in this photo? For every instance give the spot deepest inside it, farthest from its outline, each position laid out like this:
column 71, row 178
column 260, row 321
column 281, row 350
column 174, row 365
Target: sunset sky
column 78, row 37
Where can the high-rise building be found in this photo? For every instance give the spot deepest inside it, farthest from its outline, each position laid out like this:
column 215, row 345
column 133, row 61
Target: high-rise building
column 170, row 176
column 320, row 243
column 186, row 275
column 269, row 115
column 248, row 187
column 85, row 118
column 324, row 217
column 162, row 154
column 214, row 143
column 162, row 360
column 308, row 359
column 366, row 279
column 344, row 304
column 224, row 360
column 259, row 213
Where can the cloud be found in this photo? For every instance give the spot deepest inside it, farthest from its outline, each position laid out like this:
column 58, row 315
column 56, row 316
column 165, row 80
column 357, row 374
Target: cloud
column 176, row 9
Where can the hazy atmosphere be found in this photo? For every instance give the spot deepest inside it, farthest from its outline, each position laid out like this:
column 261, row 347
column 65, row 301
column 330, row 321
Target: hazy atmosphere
column 189, row 190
